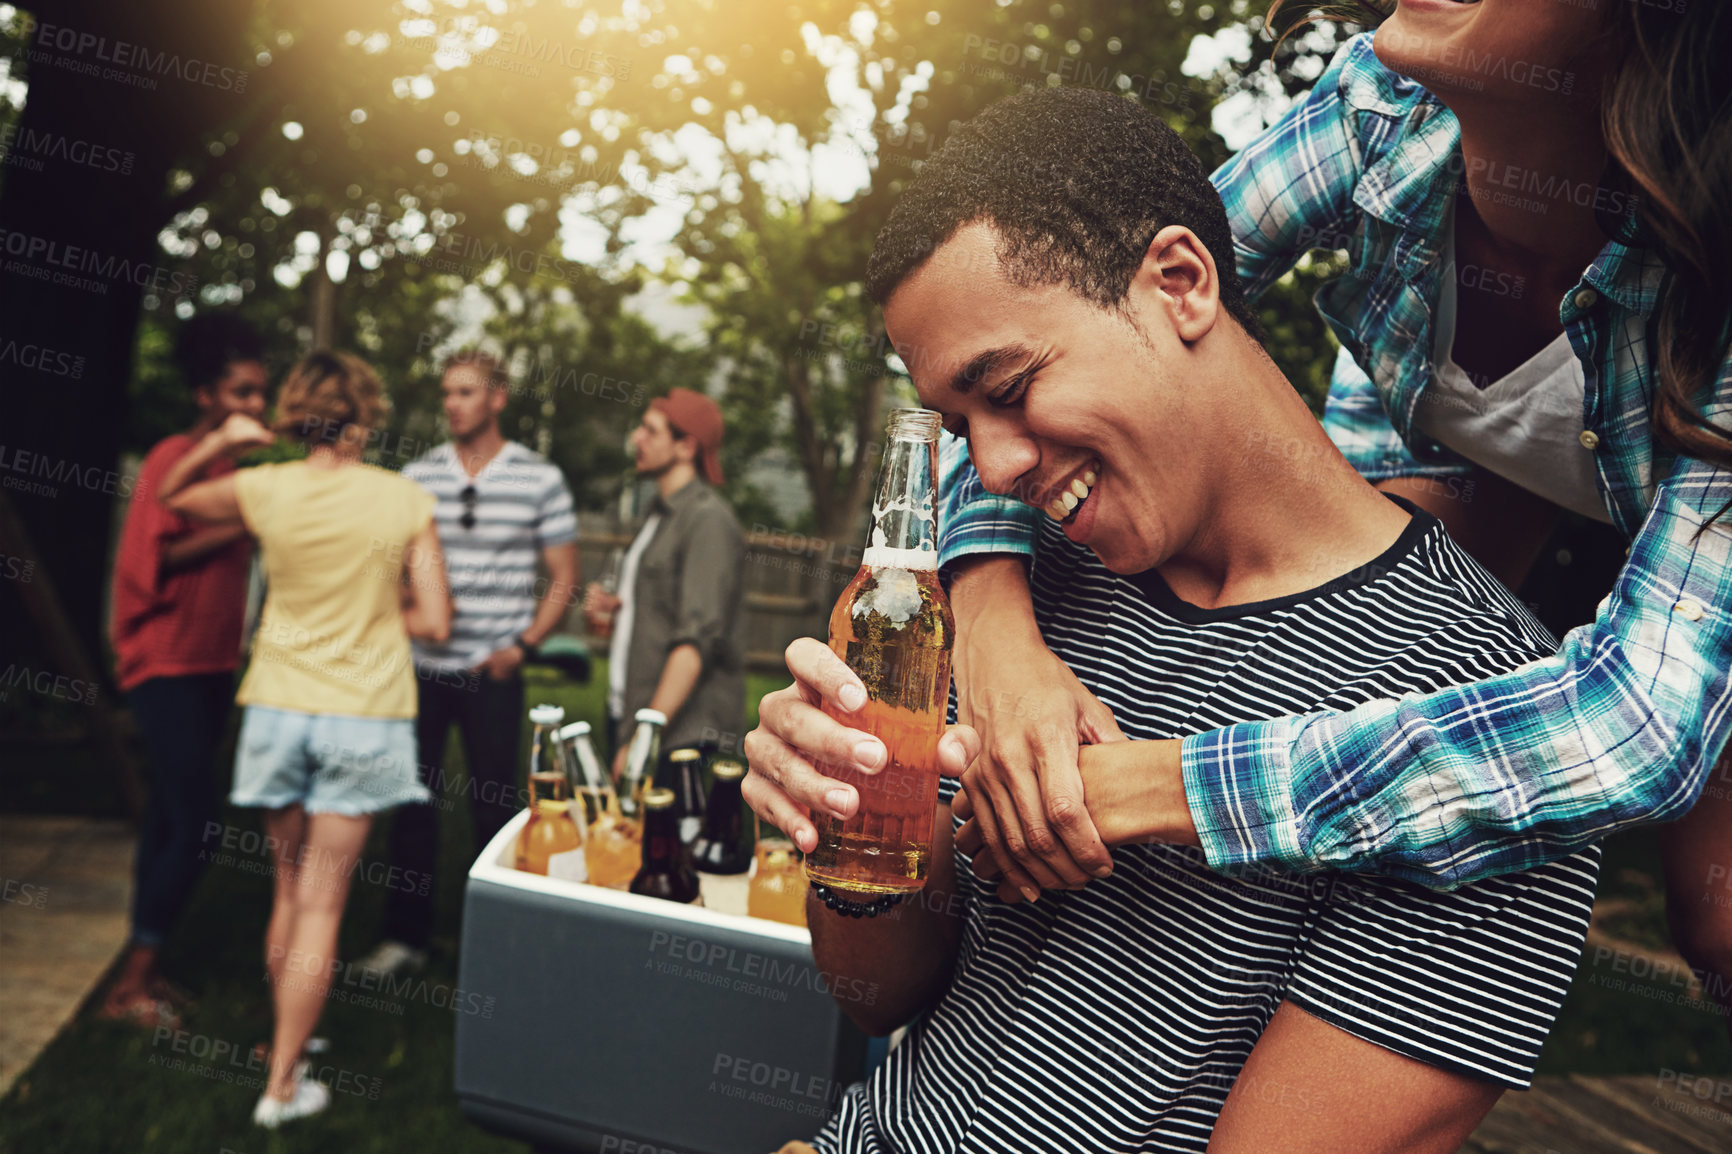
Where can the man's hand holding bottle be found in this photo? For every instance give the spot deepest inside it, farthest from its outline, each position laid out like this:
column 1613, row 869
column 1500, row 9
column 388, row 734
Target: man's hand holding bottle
column 797, row 745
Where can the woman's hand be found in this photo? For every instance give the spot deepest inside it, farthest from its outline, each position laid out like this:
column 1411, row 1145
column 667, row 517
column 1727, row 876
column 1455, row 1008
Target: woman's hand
column 241, row 433
column 1136, row 793
column 182, row 492
column 1025, row 791
column 798, row 748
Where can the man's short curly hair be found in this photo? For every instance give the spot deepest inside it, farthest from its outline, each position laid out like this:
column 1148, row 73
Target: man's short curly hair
column 326, row 393
column 1077, row 182
column 209, row 343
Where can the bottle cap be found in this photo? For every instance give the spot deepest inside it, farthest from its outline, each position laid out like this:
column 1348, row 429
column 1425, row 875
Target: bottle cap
column 574, row 731
column 653, row 716
column 546, row 715
column 727, row 769
column 658, row 798
column 684, row 755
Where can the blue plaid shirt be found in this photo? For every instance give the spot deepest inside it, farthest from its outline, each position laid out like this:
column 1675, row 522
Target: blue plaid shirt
column 1625, row 723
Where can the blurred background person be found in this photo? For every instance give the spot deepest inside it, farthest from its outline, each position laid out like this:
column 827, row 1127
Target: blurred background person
column 179, row 597
column 327, row 738
column 501, row 508
column 678, row 641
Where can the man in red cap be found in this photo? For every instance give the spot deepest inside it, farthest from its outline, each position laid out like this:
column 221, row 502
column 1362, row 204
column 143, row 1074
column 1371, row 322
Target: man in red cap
column 678, row 639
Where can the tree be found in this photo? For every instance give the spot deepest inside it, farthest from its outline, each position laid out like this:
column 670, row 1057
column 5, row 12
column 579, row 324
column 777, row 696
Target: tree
column 117, row 94
column 780, row 266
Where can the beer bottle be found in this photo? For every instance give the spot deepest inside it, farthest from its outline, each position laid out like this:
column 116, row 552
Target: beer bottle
column 552, row 841
column 894, row 628
column 665, row 872
column 640, row 761
column 722, row 854
column 594, row 786
column 686, row 773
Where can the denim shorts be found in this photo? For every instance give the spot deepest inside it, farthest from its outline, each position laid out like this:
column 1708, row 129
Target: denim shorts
column 325, row 762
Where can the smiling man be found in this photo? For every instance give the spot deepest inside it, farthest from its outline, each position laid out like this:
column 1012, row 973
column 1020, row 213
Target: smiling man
column 1051, row 281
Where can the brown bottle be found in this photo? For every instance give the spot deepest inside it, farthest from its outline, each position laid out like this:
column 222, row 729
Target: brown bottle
column 665, row 873
column 722, row 855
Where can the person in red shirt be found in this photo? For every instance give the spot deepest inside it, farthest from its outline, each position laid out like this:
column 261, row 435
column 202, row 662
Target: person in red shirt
column 179, row 597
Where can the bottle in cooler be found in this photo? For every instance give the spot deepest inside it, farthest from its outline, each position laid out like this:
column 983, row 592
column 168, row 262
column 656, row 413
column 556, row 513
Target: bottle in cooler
column 685, row 769
column 552, row 840
column 594, row 786
column 894, row 628
column 665, row 873
column 640, row 761
column 722, row 853
column 778, row 886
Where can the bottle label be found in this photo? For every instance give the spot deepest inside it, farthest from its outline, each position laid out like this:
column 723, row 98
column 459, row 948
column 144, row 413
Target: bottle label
column 571, row 865
column 726, row 893
column 690, row 825
column 885, row 557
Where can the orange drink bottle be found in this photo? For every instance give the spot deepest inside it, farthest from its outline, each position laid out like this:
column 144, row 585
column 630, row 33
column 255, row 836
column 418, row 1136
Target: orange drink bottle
column 894, row 628
column 552, row 841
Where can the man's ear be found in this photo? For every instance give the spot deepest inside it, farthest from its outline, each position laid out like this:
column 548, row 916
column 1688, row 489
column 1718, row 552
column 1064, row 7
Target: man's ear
column 1178, row 274
column 497, row 399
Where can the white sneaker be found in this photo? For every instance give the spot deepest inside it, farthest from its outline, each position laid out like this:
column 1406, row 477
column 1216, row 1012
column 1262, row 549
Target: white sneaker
column 311, row 1097
column 390, row 958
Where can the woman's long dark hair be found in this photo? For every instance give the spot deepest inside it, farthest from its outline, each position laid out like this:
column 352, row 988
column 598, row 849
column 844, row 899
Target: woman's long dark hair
column 1666, row 116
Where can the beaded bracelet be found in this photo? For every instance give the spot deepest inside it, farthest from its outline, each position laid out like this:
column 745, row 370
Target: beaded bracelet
column 850, row 908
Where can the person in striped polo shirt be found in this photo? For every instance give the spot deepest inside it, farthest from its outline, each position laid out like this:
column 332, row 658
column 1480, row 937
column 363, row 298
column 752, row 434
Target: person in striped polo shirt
column 503, row 511
column 1051, row 281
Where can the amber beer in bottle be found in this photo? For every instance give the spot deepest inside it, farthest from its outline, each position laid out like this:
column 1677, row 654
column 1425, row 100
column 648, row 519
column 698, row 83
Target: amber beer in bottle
column 552, row 841
column 894, row 628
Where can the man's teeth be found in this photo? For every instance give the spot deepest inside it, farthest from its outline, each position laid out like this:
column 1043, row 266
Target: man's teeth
column 1066, row 502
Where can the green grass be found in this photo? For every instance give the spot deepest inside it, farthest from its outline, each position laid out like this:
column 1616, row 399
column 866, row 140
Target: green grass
column 104, row 1087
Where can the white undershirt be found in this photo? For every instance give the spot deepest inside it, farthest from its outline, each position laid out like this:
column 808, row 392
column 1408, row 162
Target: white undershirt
column 1524, row 426
column 620, row 648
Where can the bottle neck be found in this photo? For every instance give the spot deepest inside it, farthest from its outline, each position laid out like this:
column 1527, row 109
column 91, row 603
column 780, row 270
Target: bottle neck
column 589, row 769
column 640, row 767
column 723, row 819
column 640, row 763
column 905, row 515
column 661, row 841
column 547, row 779
column 688, row 786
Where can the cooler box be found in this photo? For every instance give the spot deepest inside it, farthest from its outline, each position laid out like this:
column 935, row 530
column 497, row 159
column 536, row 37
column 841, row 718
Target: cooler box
column 599, row 1021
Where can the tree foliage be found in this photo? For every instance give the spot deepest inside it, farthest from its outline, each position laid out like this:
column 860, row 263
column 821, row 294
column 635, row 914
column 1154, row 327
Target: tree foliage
column 403, row 172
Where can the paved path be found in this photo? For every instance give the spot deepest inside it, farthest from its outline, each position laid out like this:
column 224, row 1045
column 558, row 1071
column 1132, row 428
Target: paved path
column 1638, row 1115
column 67, row 885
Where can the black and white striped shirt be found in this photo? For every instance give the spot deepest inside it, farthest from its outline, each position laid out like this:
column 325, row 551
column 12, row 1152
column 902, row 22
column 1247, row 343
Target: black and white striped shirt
column 522, row 506
column 1117, row 1017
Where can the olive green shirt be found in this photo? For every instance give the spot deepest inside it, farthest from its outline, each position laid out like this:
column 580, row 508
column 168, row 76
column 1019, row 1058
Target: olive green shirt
column 688, row 587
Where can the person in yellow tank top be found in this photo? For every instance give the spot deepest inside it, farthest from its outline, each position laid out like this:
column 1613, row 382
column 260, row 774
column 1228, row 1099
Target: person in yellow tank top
column 327, row 738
